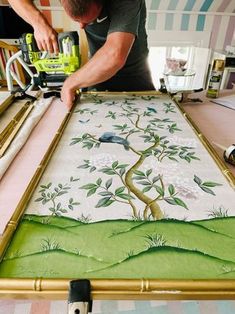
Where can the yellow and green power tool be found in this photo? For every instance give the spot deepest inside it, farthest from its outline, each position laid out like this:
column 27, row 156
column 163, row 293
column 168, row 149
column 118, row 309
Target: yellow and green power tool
column 52, row 69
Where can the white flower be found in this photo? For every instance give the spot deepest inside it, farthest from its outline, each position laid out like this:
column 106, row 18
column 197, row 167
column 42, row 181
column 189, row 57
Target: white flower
column 101, row 160
column 175, row 140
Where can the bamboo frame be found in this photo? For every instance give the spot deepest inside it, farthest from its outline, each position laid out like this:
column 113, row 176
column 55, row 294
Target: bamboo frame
column 138, row 289
column 13, row 127
column 121, row 289
column 6, row 103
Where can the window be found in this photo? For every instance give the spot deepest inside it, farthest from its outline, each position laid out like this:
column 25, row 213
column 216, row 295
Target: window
column 197, row 60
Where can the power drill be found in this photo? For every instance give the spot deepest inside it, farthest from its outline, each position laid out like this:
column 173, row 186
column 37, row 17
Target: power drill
column 52, row 69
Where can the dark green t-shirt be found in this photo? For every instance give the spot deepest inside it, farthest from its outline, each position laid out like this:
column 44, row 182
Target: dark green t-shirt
column 124, row 16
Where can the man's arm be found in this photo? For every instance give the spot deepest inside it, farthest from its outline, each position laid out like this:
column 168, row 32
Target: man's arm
column 45, row 35
column 106, row 62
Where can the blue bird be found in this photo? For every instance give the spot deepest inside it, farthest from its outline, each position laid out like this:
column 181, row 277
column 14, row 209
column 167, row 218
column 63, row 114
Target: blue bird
column 109, row 137
column 152, row 109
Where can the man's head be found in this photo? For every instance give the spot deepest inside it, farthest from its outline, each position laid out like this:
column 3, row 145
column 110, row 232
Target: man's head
column 83, row 11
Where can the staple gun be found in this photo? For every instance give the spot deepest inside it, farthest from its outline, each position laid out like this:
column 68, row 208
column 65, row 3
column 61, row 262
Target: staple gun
column 52, row 69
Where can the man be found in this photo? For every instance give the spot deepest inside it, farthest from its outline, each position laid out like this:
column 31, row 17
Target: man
column 117, row 41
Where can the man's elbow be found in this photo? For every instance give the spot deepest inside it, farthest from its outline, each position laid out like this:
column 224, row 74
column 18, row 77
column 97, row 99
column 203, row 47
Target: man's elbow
column 121, row 61
column 118, row 60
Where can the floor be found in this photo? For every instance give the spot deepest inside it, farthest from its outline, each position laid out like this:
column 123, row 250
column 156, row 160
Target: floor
column 123, row 307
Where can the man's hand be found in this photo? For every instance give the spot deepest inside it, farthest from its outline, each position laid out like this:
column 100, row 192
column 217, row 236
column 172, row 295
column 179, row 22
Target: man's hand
column 46, row 38
column 45, row 35
column 68, row 93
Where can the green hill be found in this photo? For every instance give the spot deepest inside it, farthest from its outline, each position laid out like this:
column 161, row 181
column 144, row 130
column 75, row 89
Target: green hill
column 221, row 225
column 50, row 264
column 122, row 242
column 169, row 263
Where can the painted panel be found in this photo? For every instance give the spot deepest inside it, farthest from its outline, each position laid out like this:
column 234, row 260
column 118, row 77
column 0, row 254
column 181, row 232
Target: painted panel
column 130, row 192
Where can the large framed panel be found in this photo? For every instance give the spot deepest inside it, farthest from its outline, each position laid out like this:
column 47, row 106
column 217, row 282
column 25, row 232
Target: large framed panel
column 133, row 199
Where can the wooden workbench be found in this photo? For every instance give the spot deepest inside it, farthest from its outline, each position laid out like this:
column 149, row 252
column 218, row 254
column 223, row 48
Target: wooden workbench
column 216, row 122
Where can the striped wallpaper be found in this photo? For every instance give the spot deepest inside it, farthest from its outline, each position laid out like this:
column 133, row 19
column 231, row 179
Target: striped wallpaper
column 190, row 20
column 216, row 17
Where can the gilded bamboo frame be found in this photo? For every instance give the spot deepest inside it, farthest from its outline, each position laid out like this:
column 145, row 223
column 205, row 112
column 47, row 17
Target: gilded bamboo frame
column 110, row 289
column 6, row 103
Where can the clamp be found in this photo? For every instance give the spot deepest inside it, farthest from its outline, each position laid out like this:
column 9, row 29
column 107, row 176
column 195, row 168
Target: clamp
column 79, row 301
column 52, row 93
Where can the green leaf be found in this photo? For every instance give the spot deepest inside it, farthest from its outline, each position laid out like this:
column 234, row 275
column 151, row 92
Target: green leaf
column 171, row 189
column 119, row 190
column 115, row 164
column 139, row 173
column 108, row 171
column 155, row 179
column 207, row 190
column 170, row 201
column 211, row 184
column 187, row 159
column 99, row 181
column 83, row 166
column 172, row 158
column 88, row 186
column 104, row 202
column 70, row 207
column 108, row 183
column 73, row 143
column 148, row 172
column 138, row 178
column 122, row 171
column 125, row 196
column 194, row 157
column 180, row 202
column 144, row 183
column 91, row 192
column 197, row 180
column 43, row 186
column 122, row 166
column 106, row 193
column 39, row 199
column 62, row 192
column 146, row 189
column 160, row 190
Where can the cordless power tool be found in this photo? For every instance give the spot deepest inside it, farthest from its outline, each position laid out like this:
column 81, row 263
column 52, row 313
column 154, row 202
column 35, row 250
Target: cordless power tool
column 52, row 69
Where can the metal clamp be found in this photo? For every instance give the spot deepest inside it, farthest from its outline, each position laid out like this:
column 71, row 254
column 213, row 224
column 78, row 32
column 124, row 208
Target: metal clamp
column 79, row 297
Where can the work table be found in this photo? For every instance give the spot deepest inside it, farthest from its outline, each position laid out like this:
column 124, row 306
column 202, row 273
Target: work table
column 215, row 122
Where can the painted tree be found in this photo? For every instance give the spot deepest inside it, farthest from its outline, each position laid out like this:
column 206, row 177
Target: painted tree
column 133, row 176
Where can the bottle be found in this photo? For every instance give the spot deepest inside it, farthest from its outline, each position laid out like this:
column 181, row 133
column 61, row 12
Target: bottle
column 215, row 78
